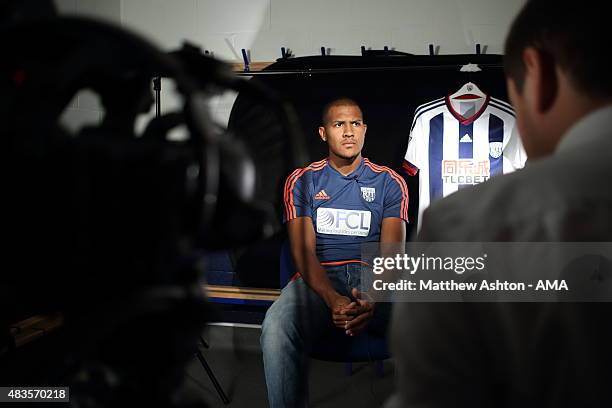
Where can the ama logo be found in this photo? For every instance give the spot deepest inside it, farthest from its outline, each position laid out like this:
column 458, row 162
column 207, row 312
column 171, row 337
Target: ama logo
column 337, row 221
column 552, row 285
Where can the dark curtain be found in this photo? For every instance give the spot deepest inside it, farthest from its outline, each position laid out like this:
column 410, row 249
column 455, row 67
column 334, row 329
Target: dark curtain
column 388, row 88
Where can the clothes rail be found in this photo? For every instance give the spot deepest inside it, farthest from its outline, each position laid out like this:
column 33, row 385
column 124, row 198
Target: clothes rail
column 318, row 71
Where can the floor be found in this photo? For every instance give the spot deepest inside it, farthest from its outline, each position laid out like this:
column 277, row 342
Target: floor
column 235, row 358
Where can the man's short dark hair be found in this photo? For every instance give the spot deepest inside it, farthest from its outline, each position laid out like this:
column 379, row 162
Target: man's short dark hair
column 575, row 34
column 343, row 101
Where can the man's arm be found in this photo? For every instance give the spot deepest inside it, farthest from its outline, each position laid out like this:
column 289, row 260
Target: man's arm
column 303, row 248
column 392, row 243
column 392, row 239
column 393, row 231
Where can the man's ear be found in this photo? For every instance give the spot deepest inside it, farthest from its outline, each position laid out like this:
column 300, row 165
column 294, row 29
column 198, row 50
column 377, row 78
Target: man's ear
column 322, row 133
column 541, row 79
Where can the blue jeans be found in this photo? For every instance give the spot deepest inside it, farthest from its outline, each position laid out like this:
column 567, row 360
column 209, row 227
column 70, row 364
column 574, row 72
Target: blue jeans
column 294, row 323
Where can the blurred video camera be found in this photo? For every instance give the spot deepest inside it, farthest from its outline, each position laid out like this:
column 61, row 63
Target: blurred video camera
column 104, row 224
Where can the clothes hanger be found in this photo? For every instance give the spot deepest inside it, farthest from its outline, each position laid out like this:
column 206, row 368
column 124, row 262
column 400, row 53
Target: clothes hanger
column 469, row 90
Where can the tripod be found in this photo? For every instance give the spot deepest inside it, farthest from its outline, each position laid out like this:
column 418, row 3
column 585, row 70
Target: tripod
column 198, row 353
column 210, row 373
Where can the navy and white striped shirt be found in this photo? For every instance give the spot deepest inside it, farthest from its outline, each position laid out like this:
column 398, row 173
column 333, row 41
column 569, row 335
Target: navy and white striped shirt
column 456, row 143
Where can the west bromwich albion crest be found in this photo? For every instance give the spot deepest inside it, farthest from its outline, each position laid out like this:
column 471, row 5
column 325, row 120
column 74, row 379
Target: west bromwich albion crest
column 368, row 193
column 495, row 149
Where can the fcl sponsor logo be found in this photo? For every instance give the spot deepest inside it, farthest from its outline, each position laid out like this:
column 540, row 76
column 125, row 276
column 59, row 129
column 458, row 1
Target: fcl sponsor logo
column 465, row 171
column 337, row 221
column 368, row 193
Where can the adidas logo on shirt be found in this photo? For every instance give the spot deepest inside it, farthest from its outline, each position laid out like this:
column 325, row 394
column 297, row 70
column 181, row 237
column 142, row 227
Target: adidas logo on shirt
column 466, row 139
column 322, row 195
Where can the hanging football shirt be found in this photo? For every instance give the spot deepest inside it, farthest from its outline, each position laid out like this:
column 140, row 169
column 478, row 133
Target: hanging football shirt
column 458, row 143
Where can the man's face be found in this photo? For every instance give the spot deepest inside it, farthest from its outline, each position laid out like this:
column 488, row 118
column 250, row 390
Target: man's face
column 344, row 131
column 545, row 105
column 524, row 118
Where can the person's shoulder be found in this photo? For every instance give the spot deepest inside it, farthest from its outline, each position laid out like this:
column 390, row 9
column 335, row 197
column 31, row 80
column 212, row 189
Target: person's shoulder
column 317, row 165
column 383, row 171
column 312, row 167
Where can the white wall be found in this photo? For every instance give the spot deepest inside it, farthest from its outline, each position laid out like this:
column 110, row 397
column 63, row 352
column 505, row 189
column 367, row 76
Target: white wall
column 264, row 26
column 109, row 10
column 85, row 107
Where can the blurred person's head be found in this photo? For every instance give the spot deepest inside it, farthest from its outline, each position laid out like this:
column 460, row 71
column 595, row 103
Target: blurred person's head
column 556, row 68
column 343, row 129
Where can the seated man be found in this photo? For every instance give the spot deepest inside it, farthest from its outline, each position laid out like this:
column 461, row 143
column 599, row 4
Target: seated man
column 331, row 207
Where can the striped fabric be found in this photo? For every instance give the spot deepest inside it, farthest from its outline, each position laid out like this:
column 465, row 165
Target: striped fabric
column 455, row 144
column 290, row 212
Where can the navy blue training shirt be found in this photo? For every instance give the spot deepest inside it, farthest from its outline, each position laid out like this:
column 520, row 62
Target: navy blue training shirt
column 346, row 211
